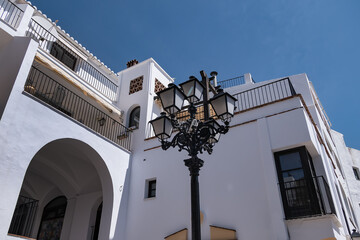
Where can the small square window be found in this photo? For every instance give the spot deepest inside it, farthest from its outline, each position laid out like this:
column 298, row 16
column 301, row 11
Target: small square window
column 150, row 188
column 356, row 173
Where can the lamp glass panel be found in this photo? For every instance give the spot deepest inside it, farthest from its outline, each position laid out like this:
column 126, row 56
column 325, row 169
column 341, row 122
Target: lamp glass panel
column 193, row 89
column 230, row 104
column 168, row 127
column 219, row 105
column 198, row 90
column 158, row 126
column 167, row 98
column 179, row 100
column 188, row 88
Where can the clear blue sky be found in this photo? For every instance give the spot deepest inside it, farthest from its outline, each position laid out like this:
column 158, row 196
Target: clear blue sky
column 268, row 38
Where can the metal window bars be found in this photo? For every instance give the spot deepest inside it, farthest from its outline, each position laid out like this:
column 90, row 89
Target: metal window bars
column 82, row 68
column 23, row 218
column 10, row 13
column 59, row 97
column 306, row 198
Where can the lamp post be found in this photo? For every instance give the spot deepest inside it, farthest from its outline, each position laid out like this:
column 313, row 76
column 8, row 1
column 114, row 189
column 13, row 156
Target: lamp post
column 193, row 135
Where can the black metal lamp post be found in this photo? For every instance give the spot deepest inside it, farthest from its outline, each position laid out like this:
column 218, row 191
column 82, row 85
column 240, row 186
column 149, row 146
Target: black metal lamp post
column 193, row 135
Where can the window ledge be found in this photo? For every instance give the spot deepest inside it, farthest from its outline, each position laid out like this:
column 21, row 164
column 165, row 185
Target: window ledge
column 149, row 198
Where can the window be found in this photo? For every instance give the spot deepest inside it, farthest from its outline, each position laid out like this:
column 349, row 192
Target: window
column 296, row 176
column 151, row 188
column 356, row 173
column 63, row 55
column 134, row 118
column 52, row 219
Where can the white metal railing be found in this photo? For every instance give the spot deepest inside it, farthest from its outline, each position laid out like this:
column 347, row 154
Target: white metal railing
column 10, row 13
column 81, row 67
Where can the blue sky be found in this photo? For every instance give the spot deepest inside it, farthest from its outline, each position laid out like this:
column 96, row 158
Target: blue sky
column 268, row 38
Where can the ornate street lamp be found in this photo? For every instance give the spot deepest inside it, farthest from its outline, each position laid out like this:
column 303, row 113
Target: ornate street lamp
column 193, row 135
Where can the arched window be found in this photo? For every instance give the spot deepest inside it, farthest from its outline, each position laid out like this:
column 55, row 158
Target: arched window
column 134, row 118
column 52, row 219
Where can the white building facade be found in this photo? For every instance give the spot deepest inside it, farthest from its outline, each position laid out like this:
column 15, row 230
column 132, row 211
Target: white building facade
column 79, row 160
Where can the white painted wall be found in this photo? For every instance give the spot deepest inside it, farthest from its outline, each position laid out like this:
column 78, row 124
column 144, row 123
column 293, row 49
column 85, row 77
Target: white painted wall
column 238, row 189
column 27, row 125
column 16, row 54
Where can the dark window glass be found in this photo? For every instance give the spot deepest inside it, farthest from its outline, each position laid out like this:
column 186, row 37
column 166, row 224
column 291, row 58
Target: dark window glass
column 151, row 188
column 293, row 175
column 64, row 56
column 290, row 161
column 356, row 173
column 134, row 118
column 52, row 219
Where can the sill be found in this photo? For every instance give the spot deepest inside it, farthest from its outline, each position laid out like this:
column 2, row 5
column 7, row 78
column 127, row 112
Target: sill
column 315, row 217
column 149, row 198
column 19, row 236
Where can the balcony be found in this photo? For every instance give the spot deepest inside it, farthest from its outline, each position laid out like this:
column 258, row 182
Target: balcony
column 253, row 98
column 59, row 97
column 306, row 198
column 10, row 13
column 65, row 53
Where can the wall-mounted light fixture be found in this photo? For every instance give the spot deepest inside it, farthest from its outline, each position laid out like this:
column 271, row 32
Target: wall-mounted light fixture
column 101, row 121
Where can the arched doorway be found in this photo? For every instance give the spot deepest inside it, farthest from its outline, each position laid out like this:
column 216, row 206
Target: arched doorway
column 52, row 219
column 67, row 178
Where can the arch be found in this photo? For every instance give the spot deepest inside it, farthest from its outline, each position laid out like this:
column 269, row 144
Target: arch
column 134, row 117
column 73, row 169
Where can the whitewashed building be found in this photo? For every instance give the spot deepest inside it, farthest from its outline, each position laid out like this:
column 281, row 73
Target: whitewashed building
column 79, row 160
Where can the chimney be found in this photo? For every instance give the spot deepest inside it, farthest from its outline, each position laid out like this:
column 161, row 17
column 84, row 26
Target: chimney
column 131, row 63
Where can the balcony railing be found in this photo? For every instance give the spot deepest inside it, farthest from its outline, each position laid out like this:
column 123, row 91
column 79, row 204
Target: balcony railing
column 56, row 95
column 23, row 218
column 52, row 45
column 231, row 82
column 264, row 94
column 10, row 13
column 306, row 198
column 252, row 98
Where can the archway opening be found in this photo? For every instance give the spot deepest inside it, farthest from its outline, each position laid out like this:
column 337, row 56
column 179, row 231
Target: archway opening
column 65, row 179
